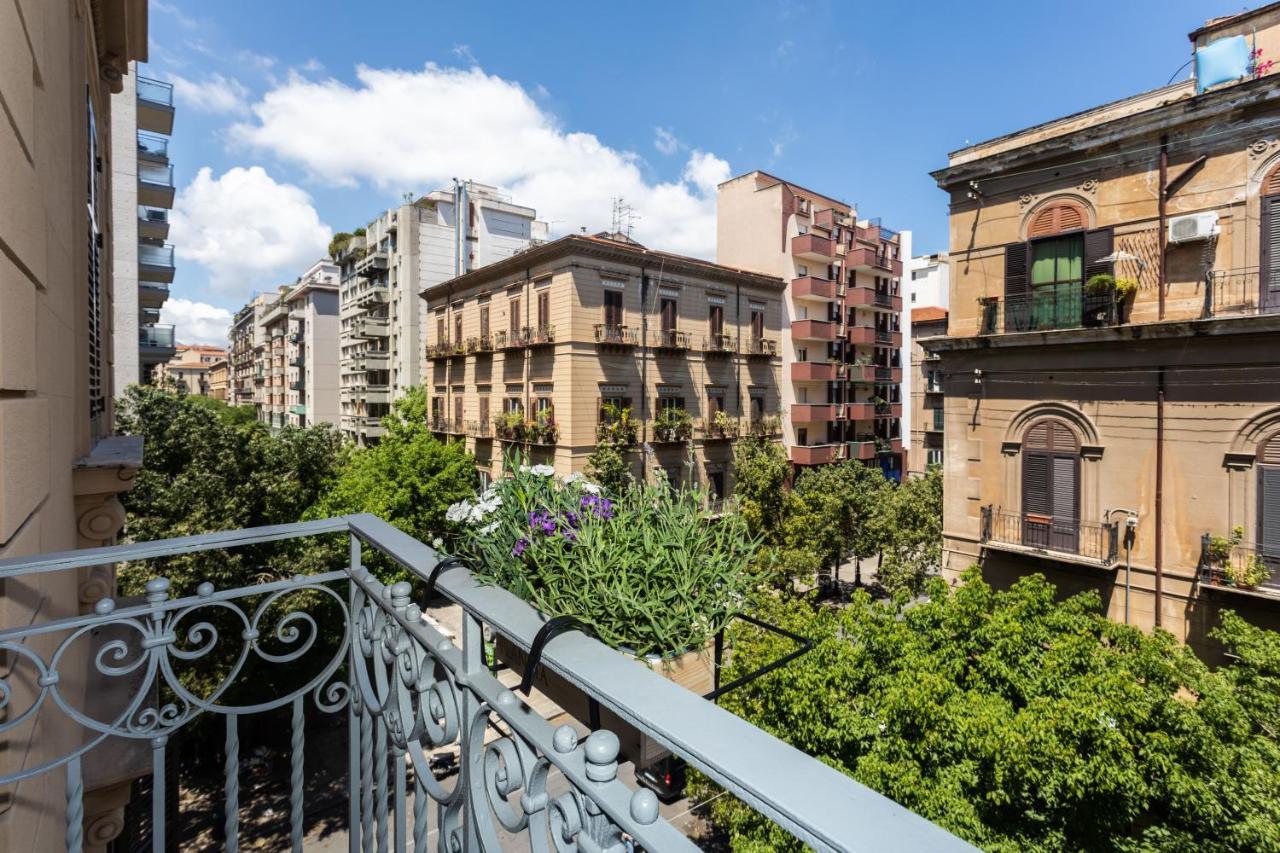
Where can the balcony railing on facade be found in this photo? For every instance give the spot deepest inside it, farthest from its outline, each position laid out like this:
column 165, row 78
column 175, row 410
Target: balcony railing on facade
column 371, row 360
column 813, row 247
column 371, row 264
column 1048, row 308
column 719, row 344
column 447, row 425
column 817, row 454
column 155, row 263
column 615, row 335
column 1244, row 567
column 814, row 289
column 865, row 258
column 153, row 223
column 861, row 335
column 767, row 425
column 153, row 147
column 1241, row 292
column 480, row 344
column 762, row 348
column 156, row 336
column 152, row 294
column 669, row 339
column 513, row 339
column 722, row 428
column 479, row 429
column 818, row 371
column 340, row 656
column 888, row 337
column 540, row 335
column 369, row 327
column 155, row 105
column 1053, row 536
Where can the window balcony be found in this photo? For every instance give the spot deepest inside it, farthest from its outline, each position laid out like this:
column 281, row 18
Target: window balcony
column 1239, row 567
column 719, row 344
column 813, row 330
column 155, row 106
column 806, row 413
column 815, row 371
column 372, row 295
column 537, row 336
column 888, row 446
column 479, row 429
column 298, row 361
column 811, row 247
column 371, row 264
column 618, row 336
column 152, row 294
column 829, row 218
column 155, row 263
column 152, row 147
column 864, row 449
column 369, row 327
column 669, row 339
column 860, row 411
column 861, row 335
column 480, row 344
column 888, row 338
column 153, row 223
column 886, row 411
column 156, row 337
column 762, row 348
column 814, row 289
column 372, row 394
column 440, row 349
column 872, row 260
column 309, row 653
column 1048, row 308
column 372, row 360
column 1067, row 539
column 869, row 297
column 816, row 454
column 887, row 301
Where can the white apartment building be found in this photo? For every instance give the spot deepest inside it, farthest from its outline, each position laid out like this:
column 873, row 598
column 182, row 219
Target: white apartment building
column 402, row 252
column 842, row 334
column 142, row 195
column 928, row 280
column 312, row 347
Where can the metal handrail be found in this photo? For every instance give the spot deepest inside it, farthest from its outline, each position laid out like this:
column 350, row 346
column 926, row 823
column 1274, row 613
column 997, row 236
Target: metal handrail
column 1091, row 540
column 820, row 806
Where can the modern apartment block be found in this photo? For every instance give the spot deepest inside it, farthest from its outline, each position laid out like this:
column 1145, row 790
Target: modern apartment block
column 247, row 380
column 1125, row 437
column 190, row 368
column 540, row 351
column 271, row 357
column 922, row 385
column 143, row 193
column 842, row 336
column 928, row 281
column 61, row 468
column 401, row 253
column 311, row 348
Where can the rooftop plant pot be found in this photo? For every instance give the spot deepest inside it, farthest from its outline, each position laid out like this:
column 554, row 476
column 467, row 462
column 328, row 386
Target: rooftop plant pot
column 692, row 671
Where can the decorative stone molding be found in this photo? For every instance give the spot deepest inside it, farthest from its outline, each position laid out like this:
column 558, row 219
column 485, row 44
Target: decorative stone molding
column 1236, row 461
column 1088, row 186
column 1026, row 199
column 100, row 830
column 101, row 521
column 1011, row 448
column 1263, row 147
column 1091, row 451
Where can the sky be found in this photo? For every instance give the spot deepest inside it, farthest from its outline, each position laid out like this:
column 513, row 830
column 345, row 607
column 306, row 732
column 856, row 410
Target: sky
column 298, row 119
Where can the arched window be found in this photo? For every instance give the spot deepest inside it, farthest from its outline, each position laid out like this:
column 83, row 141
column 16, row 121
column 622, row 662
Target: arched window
column 1269, row 280
column 1056, row 218
column 1269, row 500
column 1051, row 487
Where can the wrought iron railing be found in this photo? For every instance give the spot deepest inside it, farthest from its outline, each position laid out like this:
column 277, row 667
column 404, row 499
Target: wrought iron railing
column 354, row 647
column 1241, row 292
column 1049, row 307
column 1090, row 540
column 1243, row 565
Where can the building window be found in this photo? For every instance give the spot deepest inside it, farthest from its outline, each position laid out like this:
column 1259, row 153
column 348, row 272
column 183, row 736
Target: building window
column 667, row 310
column 715, row 317
column 670, row 401
column 440, row 336
column 757, row 323
column 457, row 328
column 613, row 308
column 933, row 456
column 512, row 404
column 611, row 407
column 484, row 411
column 544, row 309
column 716, row 481
column 514, row 305
column 1051, row 487
column 715, row 402
column 1269, row 500
column 484, row 321
column 1056, row 218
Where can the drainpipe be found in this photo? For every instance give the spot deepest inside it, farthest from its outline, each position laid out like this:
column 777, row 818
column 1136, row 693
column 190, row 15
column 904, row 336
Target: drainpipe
column 1159, row 492
column 644, row 375
column 1162, row 200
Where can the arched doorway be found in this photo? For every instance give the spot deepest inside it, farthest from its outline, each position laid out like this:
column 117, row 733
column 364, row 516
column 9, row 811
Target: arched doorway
column 1051, row 487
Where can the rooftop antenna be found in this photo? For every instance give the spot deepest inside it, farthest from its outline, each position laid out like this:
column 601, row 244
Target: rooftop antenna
column 624, row 217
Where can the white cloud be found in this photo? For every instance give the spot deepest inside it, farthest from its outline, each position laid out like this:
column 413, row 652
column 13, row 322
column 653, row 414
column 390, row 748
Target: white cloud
column 706, row 171
column 214, row 94
column 665, row 141
column 196, row 322
column 177, row 14
column 421, row 128
column 463, row 52
column 248, row 231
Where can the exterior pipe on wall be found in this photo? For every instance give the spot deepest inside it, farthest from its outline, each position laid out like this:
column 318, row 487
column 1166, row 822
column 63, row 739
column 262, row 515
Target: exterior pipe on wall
column 1159, row 561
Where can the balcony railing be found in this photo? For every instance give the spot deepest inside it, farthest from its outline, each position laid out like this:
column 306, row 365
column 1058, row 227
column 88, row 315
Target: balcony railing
column 1047, row 308
column 1243, row 566
column 763, row 347
column 341, row 657
column 1089, row 541
column 617, row 335
column 719, row 344
column 153, row 146
column 540, row 335
column 668, row 339
column 155, row 91
column 1241, row 293
column 156, row 336
column 515, row 339
column 155, row 263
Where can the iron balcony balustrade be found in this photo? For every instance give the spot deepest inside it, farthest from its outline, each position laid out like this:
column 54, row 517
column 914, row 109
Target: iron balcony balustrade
column 479, row 429
column 888, row 337
column 513, row 339
column 1090, row 542
column 669, row 339
column 1047, row 308
column 1229, row 572
column 541, row 335
column 155, row 106
column 614, row 335
column 358, row 652
column 480, row 344
column 1241, row 292
column 762, row 348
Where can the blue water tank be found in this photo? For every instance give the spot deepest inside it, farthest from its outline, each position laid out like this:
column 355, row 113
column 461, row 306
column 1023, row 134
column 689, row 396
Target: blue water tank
column 1221, row 62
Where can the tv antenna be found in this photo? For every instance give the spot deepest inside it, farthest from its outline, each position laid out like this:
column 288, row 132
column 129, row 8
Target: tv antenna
column 624, row 217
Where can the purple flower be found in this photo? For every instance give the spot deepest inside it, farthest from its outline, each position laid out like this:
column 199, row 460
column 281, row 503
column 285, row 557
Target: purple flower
column 598, row 506
column 521, row 545
column 571, row 536
column 542, row 520
column 571, row 519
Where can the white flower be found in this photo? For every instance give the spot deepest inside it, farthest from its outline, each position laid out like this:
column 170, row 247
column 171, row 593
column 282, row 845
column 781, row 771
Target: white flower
column 524, row 469
column 459, row 511
column 592, row 488
column 437, row 543
column 543, row 470
column 476, row 515
column 489, row 528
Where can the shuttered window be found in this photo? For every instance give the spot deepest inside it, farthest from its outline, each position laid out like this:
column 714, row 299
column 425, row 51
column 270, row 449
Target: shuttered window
column 484, row 321
column 1015, row 269
column 716, row 319
column 613, row 308
column 1269, row 511
column 1051, row 471
column 514, row 306
column 668, row 311
column 1270, row 262
column 1056, row 218
column 544, row 308
column 757, row 323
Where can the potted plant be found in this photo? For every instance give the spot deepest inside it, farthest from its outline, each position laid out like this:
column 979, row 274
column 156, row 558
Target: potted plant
column 511, row 426
column 1100, row 300
column 1126, row 289
column 641, row 567
column 724, row 426
column 1249, row 573
column 616, row 425
column 544, row 430
column 673, row 423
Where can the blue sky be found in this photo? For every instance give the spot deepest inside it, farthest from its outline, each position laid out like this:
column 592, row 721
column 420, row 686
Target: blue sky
column 296, row 119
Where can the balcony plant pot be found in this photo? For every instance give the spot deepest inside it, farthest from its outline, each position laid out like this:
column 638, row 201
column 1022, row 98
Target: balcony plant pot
column 692, row 670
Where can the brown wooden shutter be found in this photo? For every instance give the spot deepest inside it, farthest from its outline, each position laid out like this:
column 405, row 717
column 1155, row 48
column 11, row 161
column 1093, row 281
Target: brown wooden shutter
column 484, row 321
column 1057, row 218
column 1269, row 511
column 1036, row 485
column 1098, row 243
column 1015, row 269
column 544, row 308
column 515, row 316
column 717, row 319
column 668, row 315
column 1269, row 452
column 484, row 410
column 1271, row 185
column 757, row 324
column 1065, row 493
column 1270, row 261
column 457, row 328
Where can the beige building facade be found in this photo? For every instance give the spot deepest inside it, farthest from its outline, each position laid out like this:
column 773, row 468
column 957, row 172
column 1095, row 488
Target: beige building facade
column 311, row 348
column 219, row 379
column 531, row 352
column 246, row 380
column 190, row 368
column 1096, row 433
column 924, row 383
column 841, row 337
column 61, row 468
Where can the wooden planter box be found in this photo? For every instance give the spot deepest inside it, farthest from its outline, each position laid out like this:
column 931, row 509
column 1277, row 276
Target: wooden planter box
column 692, row 671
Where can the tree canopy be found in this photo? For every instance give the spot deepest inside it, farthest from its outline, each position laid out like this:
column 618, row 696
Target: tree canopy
column 1020, row 722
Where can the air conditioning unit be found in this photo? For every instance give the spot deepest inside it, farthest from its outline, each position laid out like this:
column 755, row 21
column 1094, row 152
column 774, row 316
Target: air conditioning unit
column 1196, row 226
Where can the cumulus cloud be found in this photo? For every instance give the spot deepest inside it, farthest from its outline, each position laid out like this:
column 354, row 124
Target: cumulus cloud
column 421, row 128
column 247, row 230
column 196, row 322
column 214, row 94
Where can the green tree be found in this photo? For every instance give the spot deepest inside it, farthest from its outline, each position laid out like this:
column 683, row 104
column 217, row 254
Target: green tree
column 607, row 465
column 234, row 415
column 1021, row 722
column 833, row 510
column 409, row 478
column 910, row 530
column 760, row 469
column 338, row 243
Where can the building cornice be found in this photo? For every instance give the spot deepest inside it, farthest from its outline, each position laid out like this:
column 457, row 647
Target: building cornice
column 1170, row 330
